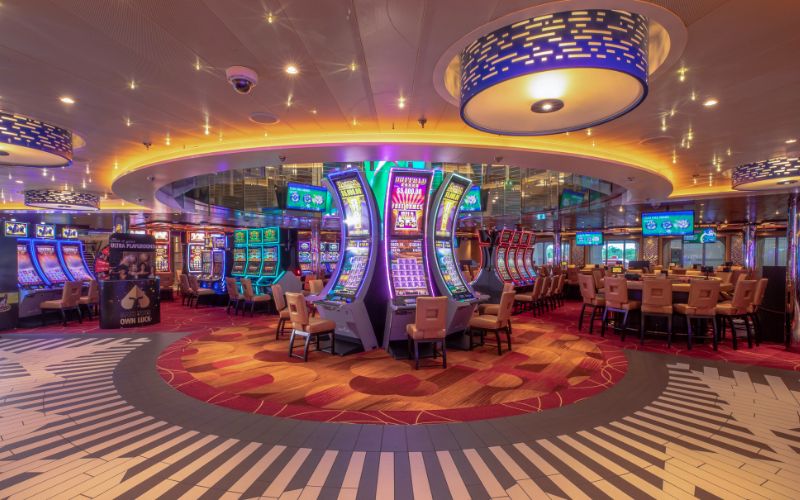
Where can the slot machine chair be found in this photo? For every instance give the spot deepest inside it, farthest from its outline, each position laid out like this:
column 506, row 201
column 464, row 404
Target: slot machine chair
column 429, row 327
column 250, row 297
column 490, row 323
column 307, row 327
column 283, row 311
column 92, row 298
column 234, row 297
column 197, row 291
column 69, row 301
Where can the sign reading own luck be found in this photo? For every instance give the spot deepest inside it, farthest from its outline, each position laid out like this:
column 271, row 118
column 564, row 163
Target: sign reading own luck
column 129, row 297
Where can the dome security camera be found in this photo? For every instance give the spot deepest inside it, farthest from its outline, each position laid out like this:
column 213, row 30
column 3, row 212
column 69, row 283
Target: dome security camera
column 242, row 79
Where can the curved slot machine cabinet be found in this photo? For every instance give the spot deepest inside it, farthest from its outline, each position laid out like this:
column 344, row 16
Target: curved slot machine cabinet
column 501, row 256
column 195, row 247
column 405, row 246
column 450, row 282
column 33, row 286
column 214, row 262
column 524, row 272
column 527, row 258
column 511, row 259
column 489, row 282
column 73, row 260
column 305, row 259
column 47, row 256
column 352, row 296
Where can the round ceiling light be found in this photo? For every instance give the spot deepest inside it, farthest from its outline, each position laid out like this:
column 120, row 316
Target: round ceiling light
column 768, row 174
column 574, row 69
column 264, row 118
column 62, row 200
column 32, row 143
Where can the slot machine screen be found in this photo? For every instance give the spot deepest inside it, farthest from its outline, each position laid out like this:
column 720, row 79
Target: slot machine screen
column 408, row 196
column 446, row 215
column 407, row 268
column 74, row 262
column 16, row 229
column 195, row 264
column 26, row 273
column 253, row 261
column 69, row 233
column 511, row 259
column 46, row 231
column 515, row 237
column 162, row 257
column 206, row 265
column 240, row 237
column 354, row 203
column 48, row 261
column 501, row 264
column 505, row 237
column 255, row 236
column 354, row 268
column 269, row 265
column 239, row 260
column 450, row 273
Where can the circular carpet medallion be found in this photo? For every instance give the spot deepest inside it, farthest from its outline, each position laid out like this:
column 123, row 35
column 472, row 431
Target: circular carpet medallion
column 245, row 368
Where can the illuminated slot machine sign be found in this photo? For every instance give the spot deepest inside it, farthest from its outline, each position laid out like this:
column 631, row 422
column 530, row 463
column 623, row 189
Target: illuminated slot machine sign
column 240, row 238
column 502, row 256
column 26, row 273
column 69, row 233
column 407, row 204
column 447, row 211
column 162, row 251
column 47, row 256
column 15, row 229
column 357, row 228
column 253, row 261
column 239, row 261
column 46, row 231
column 71, row 252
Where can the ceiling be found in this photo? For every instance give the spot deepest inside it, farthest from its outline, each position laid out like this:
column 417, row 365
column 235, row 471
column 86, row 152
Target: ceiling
column 148, row 78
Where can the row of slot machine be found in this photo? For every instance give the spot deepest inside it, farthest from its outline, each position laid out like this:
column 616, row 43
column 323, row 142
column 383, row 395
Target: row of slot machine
column 514, row 257
column 45, row 263
column 205, row 258
column 327, row 255
column 259, row 256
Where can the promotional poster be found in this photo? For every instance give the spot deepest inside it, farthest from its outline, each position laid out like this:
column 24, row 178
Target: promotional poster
column 129, row 294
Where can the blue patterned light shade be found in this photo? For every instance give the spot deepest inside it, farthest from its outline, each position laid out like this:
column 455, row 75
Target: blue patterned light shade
column 776, row 173
column 555, row 73
column 62, row 200
column 32, row 143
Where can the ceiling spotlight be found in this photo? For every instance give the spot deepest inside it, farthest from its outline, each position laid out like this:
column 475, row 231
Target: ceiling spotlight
column 18, row 181
column 67, row 100
column 710, row 102
column 353, row 66
column 791, row 141
column 401, row 102
column 270, row 18
column 547, row 105
column 292, row 69
column 132, row 85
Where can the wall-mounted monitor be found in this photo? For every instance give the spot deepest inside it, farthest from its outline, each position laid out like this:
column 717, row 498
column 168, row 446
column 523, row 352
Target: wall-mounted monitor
column 588, row 238
column 306, row 197
column 706, row 235
column 668, row 223
column 15, row 229
column 46, row 231
column 571, row 198
column 69, row 233
column 475, row 200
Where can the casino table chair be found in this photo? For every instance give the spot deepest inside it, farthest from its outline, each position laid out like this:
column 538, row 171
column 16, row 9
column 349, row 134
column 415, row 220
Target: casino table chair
column 491, row 323
column 752, row 311
column 591, row 298
column 738, row 308
column 656, row 302
column 617, row 302
column 494, row 309
column 234, row 297
column 283, row 312
column 69, row 301
column 307, row 327
column 429, row 327
column 251, row 297
column 702, row 303
column 92, row 298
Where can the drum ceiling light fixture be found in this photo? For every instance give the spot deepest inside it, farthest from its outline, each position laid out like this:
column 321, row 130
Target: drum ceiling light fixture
column 767, row 174
column 27, row 142
column 62, row 200
column 555, row 73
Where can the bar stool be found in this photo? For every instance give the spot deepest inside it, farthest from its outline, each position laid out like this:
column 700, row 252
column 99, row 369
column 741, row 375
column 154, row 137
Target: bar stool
column 429, row 327
column 656, row 301
column 738, row 308
column 702, row 303
column 752, row 311
column 307, row 327
column 249, row 296
column 283, row 312
column 490, row 323
column 590, row 298
column 234, row 297
column 617, row 301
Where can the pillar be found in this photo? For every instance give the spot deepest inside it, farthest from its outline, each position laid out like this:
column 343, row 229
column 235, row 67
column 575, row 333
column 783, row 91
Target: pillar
column 749, row 246
column 792, row 285
column 120, row 222
column 556, row 242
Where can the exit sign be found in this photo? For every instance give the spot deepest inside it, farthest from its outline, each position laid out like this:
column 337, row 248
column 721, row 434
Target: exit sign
column 541, row 216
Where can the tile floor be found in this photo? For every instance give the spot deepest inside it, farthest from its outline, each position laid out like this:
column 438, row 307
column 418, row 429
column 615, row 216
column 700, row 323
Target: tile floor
column 88, row 416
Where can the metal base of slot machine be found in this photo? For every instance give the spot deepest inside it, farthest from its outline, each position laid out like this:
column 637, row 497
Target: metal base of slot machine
column 30, row 300
column 398, row 315
column 215, row 283
column 354, row 331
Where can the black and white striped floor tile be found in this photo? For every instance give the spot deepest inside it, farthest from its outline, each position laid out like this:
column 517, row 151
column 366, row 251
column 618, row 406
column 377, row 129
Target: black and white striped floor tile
column 89, row 417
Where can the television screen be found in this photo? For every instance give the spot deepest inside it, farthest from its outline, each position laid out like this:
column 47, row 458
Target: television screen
column 668, row 223
column 570, row 198
column 306, row 197
column 706, row 235
column 472, row 200
column 588, row 238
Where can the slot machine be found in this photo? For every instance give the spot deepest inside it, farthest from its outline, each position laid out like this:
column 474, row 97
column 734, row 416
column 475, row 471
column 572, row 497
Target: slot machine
column 274, row 259
column 526, row 277
column 73, row 261
column 163, row 262
column 501, row 256
column 511, row 259
column 528, row 256
column 32, row 284
column 405, row 243
column 353, row 295
column 195, row 247
column 305, row 260
column 239, row 253
column 449, row 280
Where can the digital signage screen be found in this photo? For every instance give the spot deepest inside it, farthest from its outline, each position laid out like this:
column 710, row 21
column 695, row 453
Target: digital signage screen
column 668, row 223
column 570, row 198
column 255, row 236
column 354, row 205
column 472, row 200
column 240, row 237
column 306, row 197
column 408, row 194
column 253, row 260
column 69, row 233
column 407, row 268
column 46, row 231
column 450, row 274
column 505, row 236
column 272, row 235
column 588, row 239
column 197, row 237
column 16, row 229
column 446, row 215
column 161, row 235
column 706, row 235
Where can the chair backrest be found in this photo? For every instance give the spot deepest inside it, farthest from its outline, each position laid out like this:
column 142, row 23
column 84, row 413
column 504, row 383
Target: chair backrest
column 586, row 285
column 315, row 287
column 597, row 275
column 572, row 274
column 508, row 287
column 506, row 305
column 679, row 271
column 94, row 292
column 703, row 294
column 744, row 294
column 298, row 313
column 247, row 289
column 657, row 293
column 232, row 287
column 193, row 283
column 736, row 274
column 558, row 286
column 724, row 276
column 538, row 283
column 431, row 316
column 184, row 284
column 761, row 289
column 277, row 296
column 71, row 294
column 616, row 290
column 166, row 280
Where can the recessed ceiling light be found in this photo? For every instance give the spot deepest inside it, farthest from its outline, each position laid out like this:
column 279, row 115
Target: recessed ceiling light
column 292, row 69
column 401, row 102
column 791, row 141
column 547, row 105
column 710, row 102
column 67, row 100
column 270, row 18
column 19, row 181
